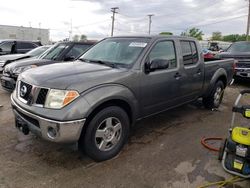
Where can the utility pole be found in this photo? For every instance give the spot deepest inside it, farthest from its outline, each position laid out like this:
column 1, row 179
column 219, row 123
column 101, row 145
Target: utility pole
column 71, row 30
column 113, row 19
column 150, row 22
column 248, row 21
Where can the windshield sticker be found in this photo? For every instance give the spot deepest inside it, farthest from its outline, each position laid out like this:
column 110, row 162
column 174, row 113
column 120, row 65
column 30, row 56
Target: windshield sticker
column 138, row 44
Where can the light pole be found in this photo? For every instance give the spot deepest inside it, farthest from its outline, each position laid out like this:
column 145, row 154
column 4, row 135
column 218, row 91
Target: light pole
column 149, row 22
column 248, row 21
column 113, row 10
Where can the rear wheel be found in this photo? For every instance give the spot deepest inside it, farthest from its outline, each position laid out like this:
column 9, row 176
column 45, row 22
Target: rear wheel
column 106, row 134
column 215, row 97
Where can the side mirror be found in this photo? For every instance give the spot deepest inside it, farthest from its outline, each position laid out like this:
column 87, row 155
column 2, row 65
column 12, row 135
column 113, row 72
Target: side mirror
column 156, row 64
column 1, row 50
column 69, row 58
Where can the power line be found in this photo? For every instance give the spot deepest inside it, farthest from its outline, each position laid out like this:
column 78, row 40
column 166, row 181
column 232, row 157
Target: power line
column 94, row 23
column 201, row 25
column 225, row 20
column 206, row 6
column 132, row 18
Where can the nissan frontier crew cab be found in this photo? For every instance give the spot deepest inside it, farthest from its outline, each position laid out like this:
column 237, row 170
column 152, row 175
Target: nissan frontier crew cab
column 95, row 100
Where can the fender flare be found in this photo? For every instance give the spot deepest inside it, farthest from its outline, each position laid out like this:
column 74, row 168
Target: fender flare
column 220, row 74
column 104, row 93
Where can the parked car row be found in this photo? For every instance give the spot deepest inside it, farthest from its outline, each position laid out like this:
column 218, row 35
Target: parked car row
column 97, row 98
column 60, row 52
column 36, row 52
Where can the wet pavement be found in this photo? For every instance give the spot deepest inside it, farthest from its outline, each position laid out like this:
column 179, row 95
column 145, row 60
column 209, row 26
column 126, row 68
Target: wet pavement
column 163, row 151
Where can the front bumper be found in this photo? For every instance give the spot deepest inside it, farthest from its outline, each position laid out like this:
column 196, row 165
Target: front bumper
column 66, row 131
column 8, row 83
column 242, row 72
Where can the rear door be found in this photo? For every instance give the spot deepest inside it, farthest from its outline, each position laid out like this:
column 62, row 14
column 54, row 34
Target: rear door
column 160, row 88
column 193, row 70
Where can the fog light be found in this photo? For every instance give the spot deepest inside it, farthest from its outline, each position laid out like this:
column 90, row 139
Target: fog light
column 52, row 132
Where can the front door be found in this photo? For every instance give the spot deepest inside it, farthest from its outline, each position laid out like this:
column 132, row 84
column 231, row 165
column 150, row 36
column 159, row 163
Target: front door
column 160, row 88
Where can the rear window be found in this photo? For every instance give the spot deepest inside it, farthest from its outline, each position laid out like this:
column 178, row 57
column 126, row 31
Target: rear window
column 189, row 53
column 25, row 45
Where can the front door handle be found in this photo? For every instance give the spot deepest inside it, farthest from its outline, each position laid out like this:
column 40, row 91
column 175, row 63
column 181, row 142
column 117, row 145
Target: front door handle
column 177, row 76
column 198, row 72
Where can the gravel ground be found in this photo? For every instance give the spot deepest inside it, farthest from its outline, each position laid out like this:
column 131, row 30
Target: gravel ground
column 163, row 151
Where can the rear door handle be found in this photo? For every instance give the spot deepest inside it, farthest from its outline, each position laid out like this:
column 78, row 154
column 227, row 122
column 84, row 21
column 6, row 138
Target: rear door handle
column 177, row 76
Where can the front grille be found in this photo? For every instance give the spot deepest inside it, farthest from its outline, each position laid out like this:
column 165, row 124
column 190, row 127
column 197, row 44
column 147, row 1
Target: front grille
column 42, row 96
column 25, row 91
column 31, row 94
column 243, row 65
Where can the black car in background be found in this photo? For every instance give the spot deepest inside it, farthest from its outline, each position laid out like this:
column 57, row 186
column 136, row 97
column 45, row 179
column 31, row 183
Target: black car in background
column 10, row 46
column 240, row 51
column 60, row 52
column 6, row 59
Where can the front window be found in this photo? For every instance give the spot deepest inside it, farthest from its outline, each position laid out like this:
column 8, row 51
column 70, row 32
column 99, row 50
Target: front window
column 54, row 52
column 77, row 50
column 117, row 51
column 239, row 47
column 164, row 50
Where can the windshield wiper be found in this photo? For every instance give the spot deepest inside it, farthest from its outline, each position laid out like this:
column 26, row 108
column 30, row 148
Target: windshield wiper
column 113, row 65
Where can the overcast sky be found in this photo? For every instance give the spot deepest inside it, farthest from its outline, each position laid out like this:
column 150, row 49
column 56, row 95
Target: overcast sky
column 93, row 17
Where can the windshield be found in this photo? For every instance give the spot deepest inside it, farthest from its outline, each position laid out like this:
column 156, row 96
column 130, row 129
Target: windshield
column 37, row 51
column 118, row 51
column 54, row 52
column 239, row 47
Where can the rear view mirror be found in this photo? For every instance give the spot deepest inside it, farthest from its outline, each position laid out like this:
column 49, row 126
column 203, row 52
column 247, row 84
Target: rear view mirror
column 156, row 64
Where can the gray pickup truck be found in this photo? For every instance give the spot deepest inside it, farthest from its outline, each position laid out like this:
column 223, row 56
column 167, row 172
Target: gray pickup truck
column 97, row 99
column 240, row 51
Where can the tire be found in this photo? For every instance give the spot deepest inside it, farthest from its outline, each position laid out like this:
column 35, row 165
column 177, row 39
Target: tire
column 106, row 134
column 215, row 97
column 222, row 149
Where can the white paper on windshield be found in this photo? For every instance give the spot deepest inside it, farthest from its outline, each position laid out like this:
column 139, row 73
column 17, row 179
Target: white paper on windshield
column 138, row 44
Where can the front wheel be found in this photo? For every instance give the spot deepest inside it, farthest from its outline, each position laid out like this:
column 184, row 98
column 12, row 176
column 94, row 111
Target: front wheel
column 215, row 97
column 106, row 134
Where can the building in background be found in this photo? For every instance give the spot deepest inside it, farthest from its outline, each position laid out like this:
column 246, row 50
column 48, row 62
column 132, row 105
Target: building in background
column 24, row 33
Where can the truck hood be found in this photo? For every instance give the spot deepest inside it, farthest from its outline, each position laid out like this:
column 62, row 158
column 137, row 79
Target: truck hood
column 13, row 57
column 26, row 62
column 76, row 75
column 241, row 55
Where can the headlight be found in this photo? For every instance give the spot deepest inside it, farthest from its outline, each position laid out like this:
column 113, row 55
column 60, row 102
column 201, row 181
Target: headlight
column 19, row 70
column 2, row 63
column 57, row 99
